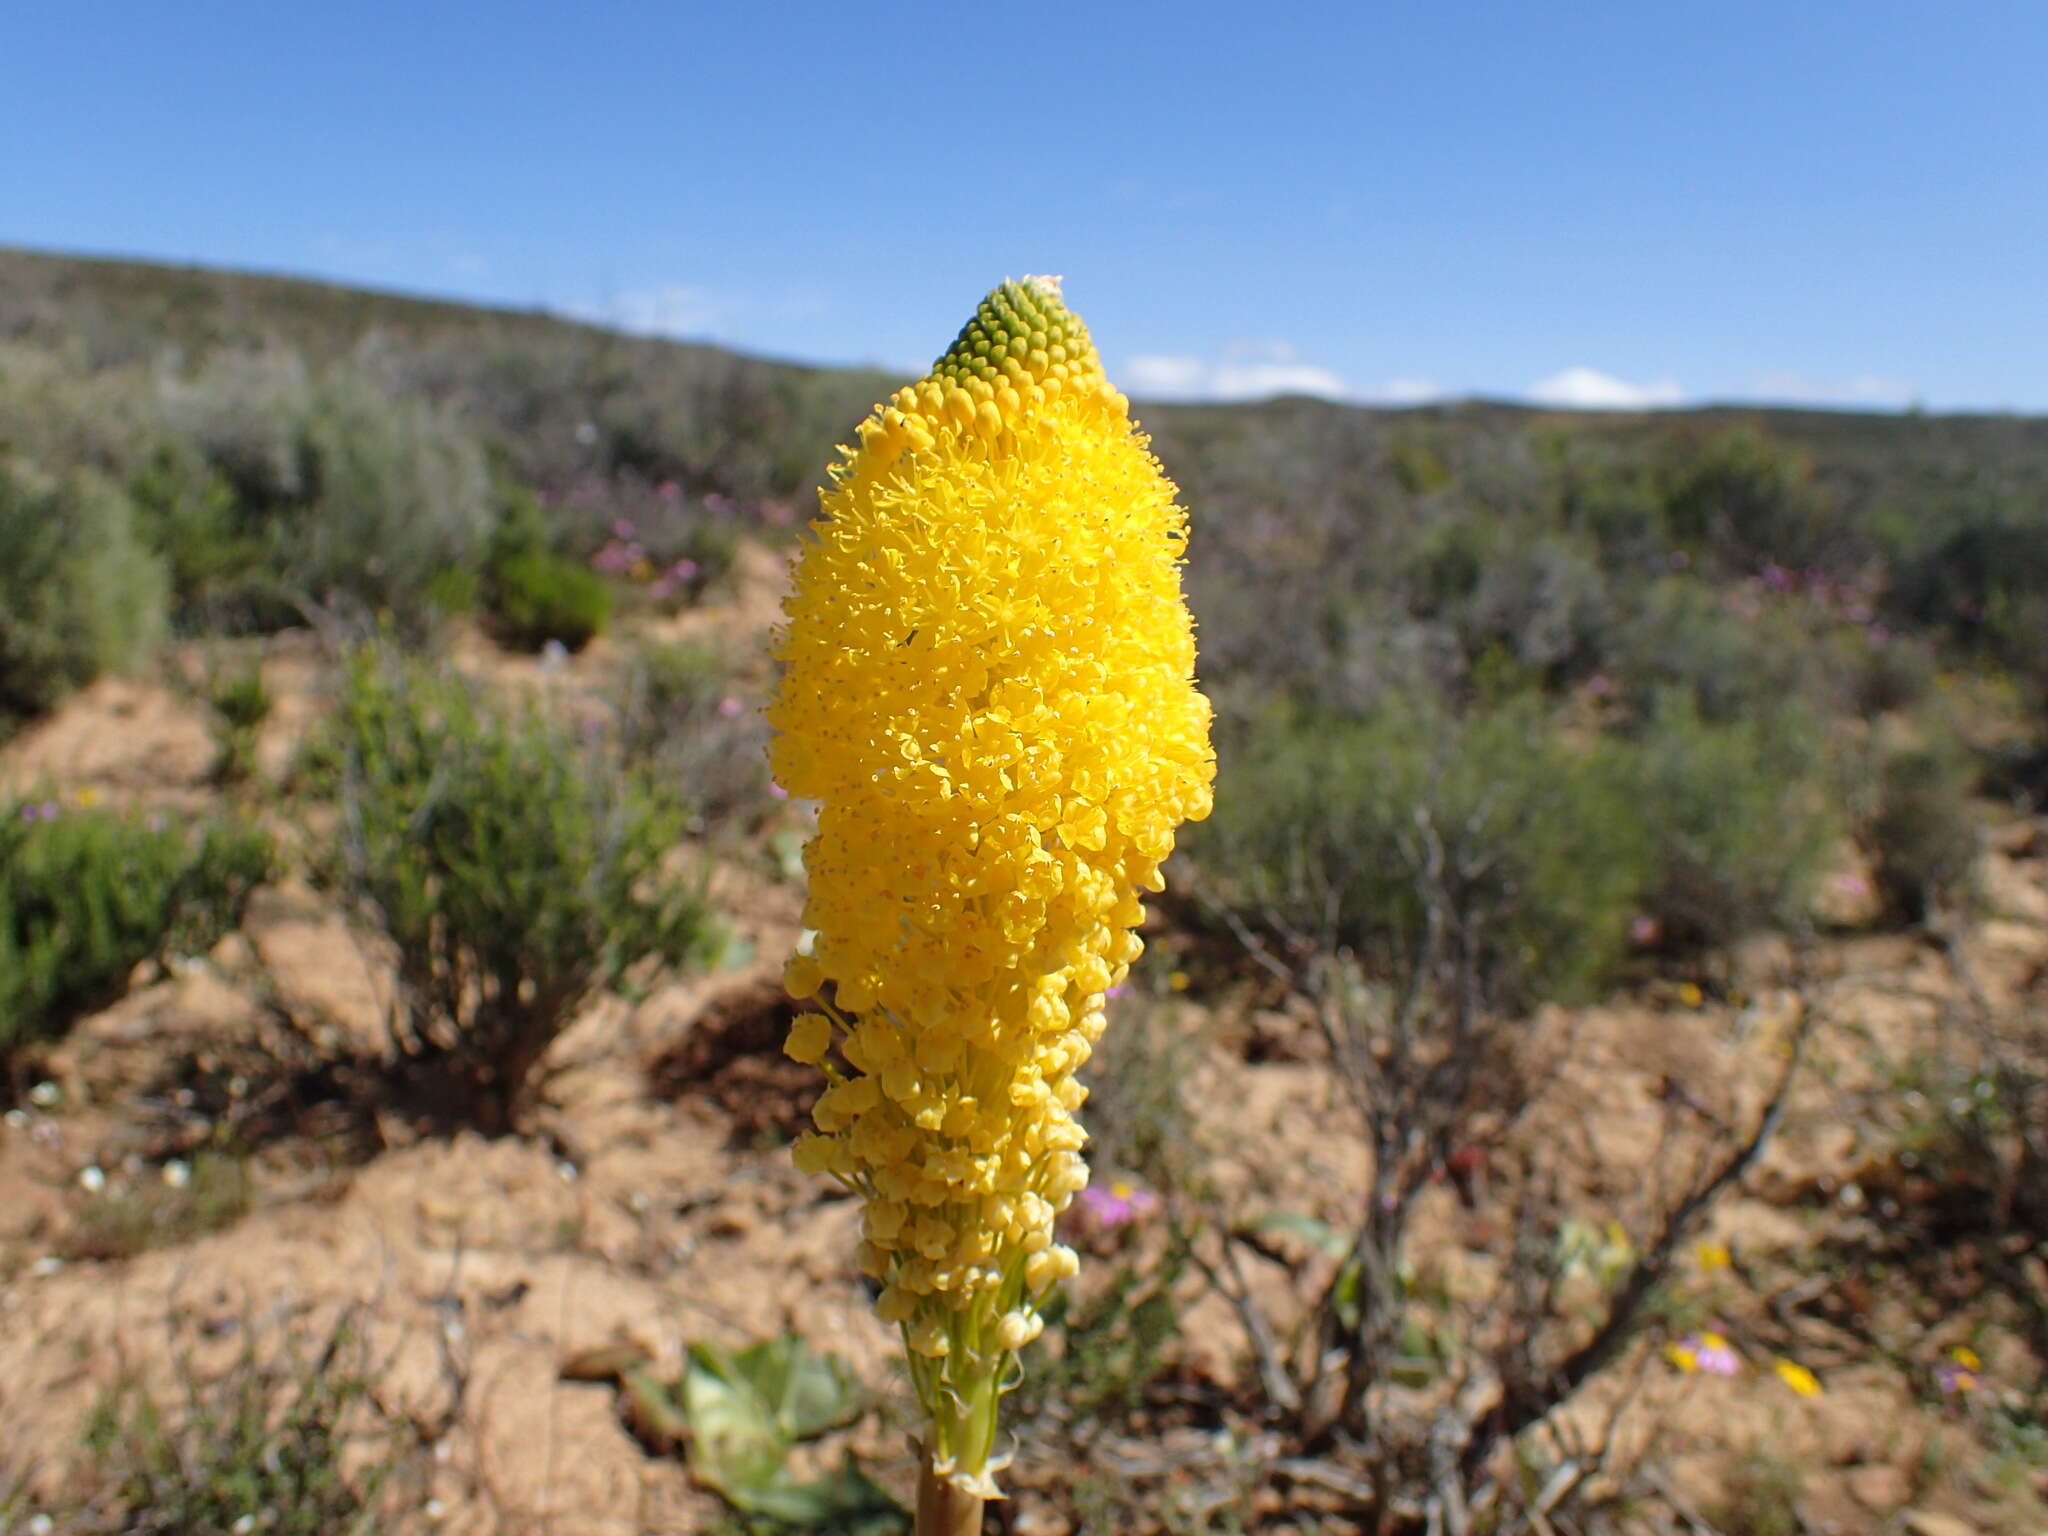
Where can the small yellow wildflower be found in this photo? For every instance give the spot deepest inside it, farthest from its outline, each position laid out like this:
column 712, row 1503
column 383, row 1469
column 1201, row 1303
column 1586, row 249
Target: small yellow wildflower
column 988, row 690
column 1797, row 1377
column 1713, row 1256
column 1961, row 1373
column 1689, row 993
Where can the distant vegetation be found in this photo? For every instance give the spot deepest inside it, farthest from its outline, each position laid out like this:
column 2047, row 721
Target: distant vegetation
column 1704, row 643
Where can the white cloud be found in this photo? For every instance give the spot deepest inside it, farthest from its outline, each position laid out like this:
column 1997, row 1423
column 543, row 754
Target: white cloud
column 1257, row 370
column 1402, row 392
column 672, row 309
column 1865, row 389
column 1588, row 389
column 1167, row 378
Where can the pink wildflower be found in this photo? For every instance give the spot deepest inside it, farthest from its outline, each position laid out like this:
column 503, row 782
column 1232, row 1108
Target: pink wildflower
column 1117, row 1206
column 1709, row 1354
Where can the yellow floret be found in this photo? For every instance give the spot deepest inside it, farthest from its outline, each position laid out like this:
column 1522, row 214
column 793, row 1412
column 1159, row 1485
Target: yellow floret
column 810, row 1036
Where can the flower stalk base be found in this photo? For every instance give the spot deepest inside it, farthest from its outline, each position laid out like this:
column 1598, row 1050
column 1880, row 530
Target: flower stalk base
column 943, row 1507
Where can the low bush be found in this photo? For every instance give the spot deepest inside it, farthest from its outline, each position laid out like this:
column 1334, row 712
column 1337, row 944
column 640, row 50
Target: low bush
column 664, row 544
column 1684, row 635
column 1986, row 583
column 187, row 512
column 1976, row 1133
column 682, row 715
column 1922, row 835
column 1541, row 846
column 1544, row 601
column 281, row 488
column 1735, row 820
column 79, row 592
column 1522, row 853
column 240, row 414
column 1737, row 496
column 240, row 704
column 536, row 597
column 85, row 896
column 1418, row 880
column 397, row 492
column 1884, row 673
column 515, row 870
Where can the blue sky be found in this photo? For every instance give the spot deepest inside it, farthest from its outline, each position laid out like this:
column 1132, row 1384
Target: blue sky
column 1585, row 203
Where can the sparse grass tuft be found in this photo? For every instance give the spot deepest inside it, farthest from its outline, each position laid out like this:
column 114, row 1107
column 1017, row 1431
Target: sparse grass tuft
column 160, row 1206
column 287, row 1443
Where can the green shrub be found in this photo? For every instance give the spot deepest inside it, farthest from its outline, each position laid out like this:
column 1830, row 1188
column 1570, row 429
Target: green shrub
column 186, row 511
column 79, row 594
column 1986, row 584
column 1385, row 834
column 396, row 492
column 1735, row 820
column 514, row 870
column 240, row 703
column 1533, row 849
column 1544, row 600
column 1883, row 673
column 87, row 895
column 681, row 714
column 1615, row 506
column 1923, row 834
column 1738, row 497
column 537, row 596
column 1976, row 1132
column 1684, row 636
column 1447, row 561
column 274, row 487
column 241, row 416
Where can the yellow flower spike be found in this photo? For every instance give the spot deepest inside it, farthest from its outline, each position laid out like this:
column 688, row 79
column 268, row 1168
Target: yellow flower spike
column 988, row 690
